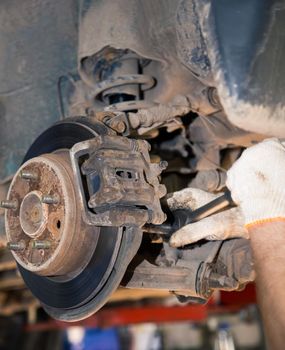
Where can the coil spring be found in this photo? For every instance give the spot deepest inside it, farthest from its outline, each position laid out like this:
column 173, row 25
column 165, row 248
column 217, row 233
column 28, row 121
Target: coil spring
column 130, row 79
column 114, row 91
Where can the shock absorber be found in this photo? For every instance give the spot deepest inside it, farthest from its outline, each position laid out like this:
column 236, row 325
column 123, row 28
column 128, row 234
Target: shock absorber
column 121, row 84
column 118, row 84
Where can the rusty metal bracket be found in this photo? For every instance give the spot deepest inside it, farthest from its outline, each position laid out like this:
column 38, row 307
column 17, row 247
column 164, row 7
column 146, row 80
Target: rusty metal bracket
column 117, row 182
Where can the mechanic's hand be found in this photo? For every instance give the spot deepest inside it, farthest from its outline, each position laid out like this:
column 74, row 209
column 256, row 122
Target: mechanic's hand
column 227, row 224
column 257, row 183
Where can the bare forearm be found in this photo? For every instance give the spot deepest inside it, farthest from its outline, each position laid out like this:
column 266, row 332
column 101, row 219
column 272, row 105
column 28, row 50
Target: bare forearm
column 268, row 245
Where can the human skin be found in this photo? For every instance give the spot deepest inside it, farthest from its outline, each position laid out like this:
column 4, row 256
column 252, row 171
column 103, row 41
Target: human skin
column 268, row 246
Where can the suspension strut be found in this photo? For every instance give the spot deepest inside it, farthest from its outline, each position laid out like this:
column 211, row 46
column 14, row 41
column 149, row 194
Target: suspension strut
column 121, row 83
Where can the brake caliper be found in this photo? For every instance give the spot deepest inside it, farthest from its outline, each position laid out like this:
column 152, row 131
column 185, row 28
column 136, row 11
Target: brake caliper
column 118, row 184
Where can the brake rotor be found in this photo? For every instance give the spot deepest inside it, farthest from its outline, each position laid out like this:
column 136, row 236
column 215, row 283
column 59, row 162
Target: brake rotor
column 71, row 267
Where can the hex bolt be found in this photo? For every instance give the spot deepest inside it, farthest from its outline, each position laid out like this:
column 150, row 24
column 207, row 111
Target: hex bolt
column 50, row 199
column 29, row 175
column 163, row 164
column 118, row 125
column 9, row 204
column 41, row 244
column 16, row 246
column 213, row 97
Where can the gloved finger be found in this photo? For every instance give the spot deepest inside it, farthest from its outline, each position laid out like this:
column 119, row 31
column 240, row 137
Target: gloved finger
column 189, row 198
column 227, row 224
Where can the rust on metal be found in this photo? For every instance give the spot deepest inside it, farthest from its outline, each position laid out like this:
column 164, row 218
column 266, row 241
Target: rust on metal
column 45, row 231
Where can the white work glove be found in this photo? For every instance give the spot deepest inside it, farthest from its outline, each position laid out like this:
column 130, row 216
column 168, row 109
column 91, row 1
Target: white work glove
column 226, row 224
column 257, row 183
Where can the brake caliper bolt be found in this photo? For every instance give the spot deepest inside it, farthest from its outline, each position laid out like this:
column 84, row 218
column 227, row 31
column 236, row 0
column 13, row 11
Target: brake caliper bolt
column 41, row 244
column 28, row 175
column 9, row 204
column 16, row 246
column 50, row 199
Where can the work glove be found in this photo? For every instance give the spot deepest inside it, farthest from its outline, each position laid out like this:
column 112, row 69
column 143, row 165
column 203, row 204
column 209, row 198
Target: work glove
column 256, row 185
column 226, row 224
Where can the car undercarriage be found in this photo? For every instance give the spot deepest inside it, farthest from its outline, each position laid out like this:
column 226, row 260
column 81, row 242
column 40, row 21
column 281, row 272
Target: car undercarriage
column 159, row 97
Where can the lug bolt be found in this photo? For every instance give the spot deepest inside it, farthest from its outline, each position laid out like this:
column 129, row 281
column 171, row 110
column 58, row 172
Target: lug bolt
column 16, row 246
column 28, row 175
column 41, row 244
column 49, row 199
column 9, row 204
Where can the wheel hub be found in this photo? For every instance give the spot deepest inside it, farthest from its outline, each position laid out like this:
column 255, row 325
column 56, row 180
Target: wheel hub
column 33, row 214
column 44, row 226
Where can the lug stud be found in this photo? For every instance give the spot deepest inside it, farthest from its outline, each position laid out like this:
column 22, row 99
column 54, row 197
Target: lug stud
column 9, row 204
column 41, row 244
column 28, row 175
column 50, row 199
column 16, row 246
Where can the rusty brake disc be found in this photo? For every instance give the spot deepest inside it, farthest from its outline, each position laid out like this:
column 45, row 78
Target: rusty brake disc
column 70, row 267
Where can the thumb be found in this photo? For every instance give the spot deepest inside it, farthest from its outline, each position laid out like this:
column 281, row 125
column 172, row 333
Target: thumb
column 227, row 224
